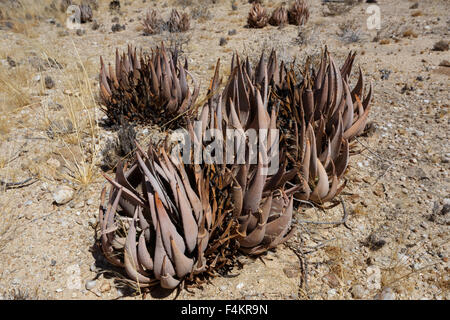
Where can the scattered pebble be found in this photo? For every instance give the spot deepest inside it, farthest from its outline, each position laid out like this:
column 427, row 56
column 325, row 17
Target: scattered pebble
column 53, row 163
column 441, row 45
column 49, row 83
column 80, row 32
column 385, row 73
column 386, row 294
column 373, row 277
column 331, row 293
column 240, row 285
column 222, row 41
column 291, row 272
column 11, row 62
column 357, row 291
column 232, row 32
column 63, row 194
column 95, row 25
column 90, row 284
column 117, row 27
column 444, row 63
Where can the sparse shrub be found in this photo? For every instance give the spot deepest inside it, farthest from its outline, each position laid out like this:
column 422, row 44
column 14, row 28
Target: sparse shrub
column 177, row 22
column 145, row 88
column 298, row 13
column 152, row 23
column 279, row 16
column 257, row 17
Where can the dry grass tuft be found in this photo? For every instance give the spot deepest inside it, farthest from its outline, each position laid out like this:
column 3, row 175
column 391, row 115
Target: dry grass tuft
column 12, row 84
column 75, row 128
column 22, row 16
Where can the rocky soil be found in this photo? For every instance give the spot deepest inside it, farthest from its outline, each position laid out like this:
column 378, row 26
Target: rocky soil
column 395, row 243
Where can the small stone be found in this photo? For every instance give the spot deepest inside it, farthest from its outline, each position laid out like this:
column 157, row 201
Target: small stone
column 114, row 5
column 222, row 41
column 232, row 32
column 385, row 73
column 105, row 287
column 49, row 83
column 11, row 62
column 53, row 163
column 90, row 284
column 90, row 202
column 115, row 20
column 387, row 294
column 63, row 195
column 223, row 288
column 80, row 32
column 357, row 291
column 59, row 290
column 444, row 63
column 53, row 263
column 28, row 202
column 374, row 242
column 373, row 277
column 331, row 293
column 441, row 45
column 240, row 285
column 37, row 78
column 291, row 272
column 95, row 25
column 63, row 33
column 117, row 27
column 234, row 6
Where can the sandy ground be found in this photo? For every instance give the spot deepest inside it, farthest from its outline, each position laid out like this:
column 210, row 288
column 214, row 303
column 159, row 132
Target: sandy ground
column 396, row 245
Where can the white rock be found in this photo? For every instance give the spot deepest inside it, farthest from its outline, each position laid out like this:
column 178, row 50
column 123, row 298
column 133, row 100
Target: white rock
column 331, row 293
column 90, row 284
column 387, row 294
column 63, row 194
column 240, row 285
column 53, row 163
column 373, row 277
column 358, row 291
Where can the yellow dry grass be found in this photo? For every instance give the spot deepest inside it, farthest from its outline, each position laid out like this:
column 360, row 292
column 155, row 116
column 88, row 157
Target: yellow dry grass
column 25, row 15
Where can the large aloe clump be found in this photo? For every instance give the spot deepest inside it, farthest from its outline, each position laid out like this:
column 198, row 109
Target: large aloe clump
column 167, row 221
